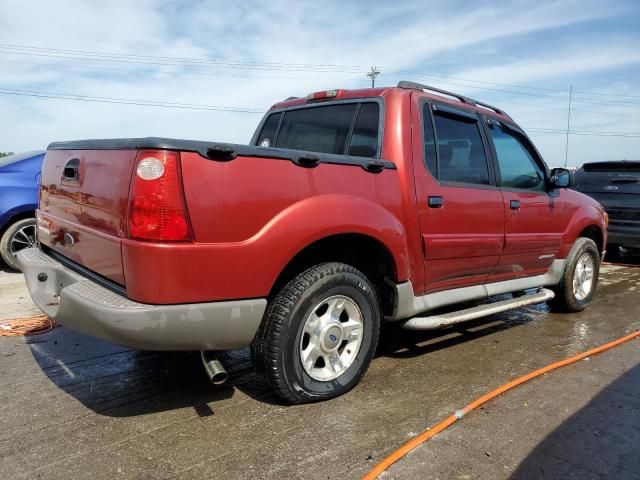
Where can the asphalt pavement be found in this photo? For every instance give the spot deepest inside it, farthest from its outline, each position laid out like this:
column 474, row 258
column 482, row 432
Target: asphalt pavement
column 75, row 407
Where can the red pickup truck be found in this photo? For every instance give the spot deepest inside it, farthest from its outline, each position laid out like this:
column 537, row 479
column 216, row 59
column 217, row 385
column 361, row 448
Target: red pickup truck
column 348, row 208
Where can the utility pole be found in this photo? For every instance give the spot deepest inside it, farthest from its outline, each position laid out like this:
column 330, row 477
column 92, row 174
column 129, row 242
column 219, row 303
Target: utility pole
column 566, row 148
column 372, row 74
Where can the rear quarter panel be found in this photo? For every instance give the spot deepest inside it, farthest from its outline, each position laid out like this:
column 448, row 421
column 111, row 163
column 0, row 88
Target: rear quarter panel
column 250, row 216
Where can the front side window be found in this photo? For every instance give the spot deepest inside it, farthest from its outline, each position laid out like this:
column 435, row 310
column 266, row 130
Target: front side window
column 518, row 168
column 317, row 129
column 461, row 155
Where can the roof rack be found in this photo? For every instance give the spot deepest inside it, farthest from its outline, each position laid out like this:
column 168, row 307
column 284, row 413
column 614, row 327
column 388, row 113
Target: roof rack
column 462, row 98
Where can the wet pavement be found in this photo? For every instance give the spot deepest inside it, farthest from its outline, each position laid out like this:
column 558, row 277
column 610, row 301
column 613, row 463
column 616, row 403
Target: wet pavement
column 75, row 407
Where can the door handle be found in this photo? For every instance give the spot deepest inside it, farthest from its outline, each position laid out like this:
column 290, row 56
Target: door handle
column 514, row 204
column 435, row 202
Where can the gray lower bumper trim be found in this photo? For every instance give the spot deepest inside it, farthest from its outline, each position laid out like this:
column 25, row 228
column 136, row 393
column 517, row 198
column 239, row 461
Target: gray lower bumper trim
column 83, row 305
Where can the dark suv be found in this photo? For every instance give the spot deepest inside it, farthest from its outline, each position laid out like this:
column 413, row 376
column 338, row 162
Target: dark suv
column 616, row 185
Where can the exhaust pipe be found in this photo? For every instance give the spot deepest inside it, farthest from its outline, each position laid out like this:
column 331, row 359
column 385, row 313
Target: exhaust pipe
column 212, row 366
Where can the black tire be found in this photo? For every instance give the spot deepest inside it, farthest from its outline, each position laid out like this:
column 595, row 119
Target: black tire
column 8, row 237
column 276, row 349
column 566, row 300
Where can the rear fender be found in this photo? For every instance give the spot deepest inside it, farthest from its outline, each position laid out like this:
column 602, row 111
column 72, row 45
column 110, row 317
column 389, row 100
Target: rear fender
column 313, row 219
column 196, row 272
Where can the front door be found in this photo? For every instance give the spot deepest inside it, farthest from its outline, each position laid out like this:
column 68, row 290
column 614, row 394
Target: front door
column 460, row 208
column 533, row 215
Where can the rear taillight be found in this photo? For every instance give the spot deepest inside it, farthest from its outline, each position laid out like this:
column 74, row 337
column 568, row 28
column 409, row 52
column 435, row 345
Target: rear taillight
column 156, row 204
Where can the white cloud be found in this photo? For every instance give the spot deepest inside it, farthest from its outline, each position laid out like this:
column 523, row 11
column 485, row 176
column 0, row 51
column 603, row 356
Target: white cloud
column 404, row 36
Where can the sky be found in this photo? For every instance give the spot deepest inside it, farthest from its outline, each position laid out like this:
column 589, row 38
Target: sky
column 208, row 70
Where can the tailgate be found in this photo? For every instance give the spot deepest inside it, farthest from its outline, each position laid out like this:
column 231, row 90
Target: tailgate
column 83, row 207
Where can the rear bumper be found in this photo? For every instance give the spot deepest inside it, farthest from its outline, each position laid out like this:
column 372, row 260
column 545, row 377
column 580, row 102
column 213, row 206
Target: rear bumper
column 81, row 304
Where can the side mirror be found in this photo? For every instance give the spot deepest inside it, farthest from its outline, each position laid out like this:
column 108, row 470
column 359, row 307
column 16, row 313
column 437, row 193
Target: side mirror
column 561, row 178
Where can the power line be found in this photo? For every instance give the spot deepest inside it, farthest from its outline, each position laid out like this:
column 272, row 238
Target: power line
column 182, row 59
column 278, row 77
column 584, row 132
column 246, row 67
column 581, row 110
column 128, row 101
column 16, row 49
column 213, row 73
column 539, row 95
column 248, row 110
column 187, row 63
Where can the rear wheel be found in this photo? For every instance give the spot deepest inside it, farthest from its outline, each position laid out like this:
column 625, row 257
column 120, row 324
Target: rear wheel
column 578, row 285
column 319, row 334
column 18, row 236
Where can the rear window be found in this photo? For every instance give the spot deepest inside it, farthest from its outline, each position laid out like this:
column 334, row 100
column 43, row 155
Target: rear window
column 345, row 128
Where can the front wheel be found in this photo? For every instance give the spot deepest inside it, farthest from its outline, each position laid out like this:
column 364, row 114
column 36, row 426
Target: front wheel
column 578, row 284
column 319, row 334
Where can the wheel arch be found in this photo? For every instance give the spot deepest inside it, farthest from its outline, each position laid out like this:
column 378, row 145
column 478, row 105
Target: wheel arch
column 15, row 215
column 364, row 252
column 595, row 233
column 588, row 221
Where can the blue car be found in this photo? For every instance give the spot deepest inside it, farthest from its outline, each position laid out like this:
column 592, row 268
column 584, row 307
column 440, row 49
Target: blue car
column 19, row 182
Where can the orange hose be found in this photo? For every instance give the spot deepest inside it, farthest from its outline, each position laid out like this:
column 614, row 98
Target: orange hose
column 432, row 432
column 16, row 327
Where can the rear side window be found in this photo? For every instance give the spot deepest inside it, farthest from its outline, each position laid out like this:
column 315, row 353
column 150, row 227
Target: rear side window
column 341, row 129
column 461, row 154
column 318, row 129
column 429, row 141
column 268, row 135
column 518, row 168
column 364, row 139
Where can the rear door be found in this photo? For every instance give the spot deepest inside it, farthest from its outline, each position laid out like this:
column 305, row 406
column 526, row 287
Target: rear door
column 534, row 220
column 460, row 208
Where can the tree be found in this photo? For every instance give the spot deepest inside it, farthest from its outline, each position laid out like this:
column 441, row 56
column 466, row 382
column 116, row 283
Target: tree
column 5, row 154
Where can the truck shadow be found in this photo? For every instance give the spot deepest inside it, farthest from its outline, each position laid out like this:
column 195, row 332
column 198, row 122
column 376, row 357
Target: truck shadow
column 398, row 343
column 601, row 440
column 118, row 382
column 115, row 381
column 623, row 257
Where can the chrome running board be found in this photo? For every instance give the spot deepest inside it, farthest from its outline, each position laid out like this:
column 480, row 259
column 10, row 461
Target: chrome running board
column 438, row 321
column 407, row 305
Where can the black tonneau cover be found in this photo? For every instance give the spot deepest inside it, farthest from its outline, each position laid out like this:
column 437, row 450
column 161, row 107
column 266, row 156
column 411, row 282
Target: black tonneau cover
column 225, row 151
